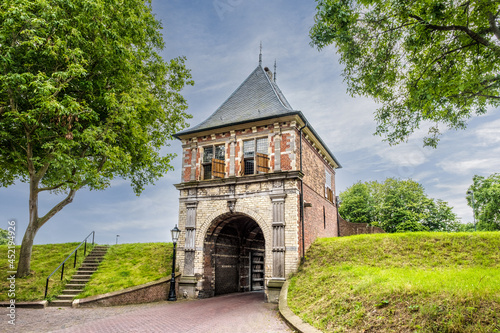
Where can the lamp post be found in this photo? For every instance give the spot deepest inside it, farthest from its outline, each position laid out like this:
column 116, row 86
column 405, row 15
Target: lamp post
column 175, row 236
column 473, row 207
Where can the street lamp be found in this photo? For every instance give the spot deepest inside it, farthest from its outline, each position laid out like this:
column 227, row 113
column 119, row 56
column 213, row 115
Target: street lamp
column 473, row 207
column 175, row 236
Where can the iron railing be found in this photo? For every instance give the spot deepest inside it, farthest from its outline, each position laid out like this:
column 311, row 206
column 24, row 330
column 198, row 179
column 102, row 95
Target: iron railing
column 75, row 251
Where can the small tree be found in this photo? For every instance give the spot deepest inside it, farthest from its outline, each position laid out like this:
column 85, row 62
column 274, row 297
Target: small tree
column 4, row 237
column 486, row 201
column 428, row 62
column 84, row 98
column 396, row 206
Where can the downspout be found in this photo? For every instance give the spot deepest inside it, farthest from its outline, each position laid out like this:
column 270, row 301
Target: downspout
column 302, row 196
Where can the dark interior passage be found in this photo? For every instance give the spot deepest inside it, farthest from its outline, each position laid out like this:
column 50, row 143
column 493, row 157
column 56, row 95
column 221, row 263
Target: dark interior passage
column 234, row 256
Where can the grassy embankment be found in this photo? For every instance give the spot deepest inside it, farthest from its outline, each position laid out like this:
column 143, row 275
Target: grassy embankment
column 128, row 265
column 413, row 282
column 124, row 265
column 44, row 260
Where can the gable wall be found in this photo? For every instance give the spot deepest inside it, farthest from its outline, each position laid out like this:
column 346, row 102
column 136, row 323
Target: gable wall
column 320, row 218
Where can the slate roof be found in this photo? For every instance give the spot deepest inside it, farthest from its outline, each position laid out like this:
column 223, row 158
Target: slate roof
column 258, row 97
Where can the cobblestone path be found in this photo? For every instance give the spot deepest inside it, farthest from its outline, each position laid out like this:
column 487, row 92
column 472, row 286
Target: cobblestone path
column 241, row 312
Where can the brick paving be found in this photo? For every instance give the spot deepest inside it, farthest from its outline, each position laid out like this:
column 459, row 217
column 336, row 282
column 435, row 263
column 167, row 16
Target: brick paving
column 241, row 312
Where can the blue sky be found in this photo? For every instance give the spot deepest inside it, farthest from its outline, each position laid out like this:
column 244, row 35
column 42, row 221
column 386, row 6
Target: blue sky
column 221, row 42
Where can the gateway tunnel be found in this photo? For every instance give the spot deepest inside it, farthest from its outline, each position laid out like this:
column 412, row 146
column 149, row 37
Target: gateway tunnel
column 234, row 253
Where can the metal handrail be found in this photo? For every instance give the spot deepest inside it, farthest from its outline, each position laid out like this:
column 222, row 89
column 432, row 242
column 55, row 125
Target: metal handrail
column 75, row 251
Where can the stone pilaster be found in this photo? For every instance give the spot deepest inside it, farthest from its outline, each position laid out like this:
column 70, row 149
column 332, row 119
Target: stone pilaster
column 277, row 152
column 278, row 224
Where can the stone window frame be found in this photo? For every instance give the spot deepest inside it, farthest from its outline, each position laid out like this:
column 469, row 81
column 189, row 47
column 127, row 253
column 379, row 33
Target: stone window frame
column 213, row 162
column 258, row 158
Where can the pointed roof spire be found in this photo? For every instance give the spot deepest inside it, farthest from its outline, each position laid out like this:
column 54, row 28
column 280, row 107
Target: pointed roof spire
column 274, row 70
column 260, row 54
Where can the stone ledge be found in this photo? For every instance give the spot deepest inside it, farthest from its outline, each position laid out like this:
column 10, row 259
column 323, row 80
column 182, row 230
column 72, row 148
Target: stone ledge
column 291, row 318
column 28, row 305
column 144, row 293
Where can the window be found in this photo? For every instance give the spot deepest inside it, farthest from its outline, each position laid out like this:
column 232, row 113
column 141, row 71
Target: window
column 328, row 185
column 214, row 162
column 255, row 156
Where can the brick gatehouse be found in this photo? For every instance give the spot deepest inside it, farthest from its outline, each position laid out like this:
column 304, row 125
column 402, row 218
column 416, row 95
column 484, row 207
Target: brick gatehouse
column 258, row 187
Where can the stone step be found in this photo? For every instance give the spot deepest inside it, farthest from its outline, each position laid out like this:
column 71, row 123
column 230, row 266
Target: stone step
column 81, row 277
column 61, row 302
column 66, row 297
column 78, row 281
column 75, row 286
column 86, row 271
column 70, row 292
column 89, row 265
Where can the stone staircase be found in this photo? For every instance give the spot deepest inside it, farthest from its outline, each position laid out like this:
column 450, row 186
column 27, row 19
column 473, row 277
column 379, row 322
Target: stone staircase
column 81, row 277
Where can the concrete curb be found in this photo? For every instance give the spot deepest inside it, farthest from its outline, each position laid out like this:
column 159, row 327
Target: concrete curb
column 291, row 318
column 27, row 305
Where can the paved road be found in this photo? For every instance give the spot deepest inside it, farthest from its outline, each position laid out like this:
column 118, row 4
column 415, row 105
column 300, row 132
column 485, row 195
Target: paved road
column 242, row 312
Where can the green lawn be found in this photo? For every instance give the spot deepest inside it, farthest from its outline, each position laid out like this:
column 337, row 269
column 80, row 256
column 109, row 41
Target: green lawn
column 412, row 282
column 128, row 265
column 44, row 260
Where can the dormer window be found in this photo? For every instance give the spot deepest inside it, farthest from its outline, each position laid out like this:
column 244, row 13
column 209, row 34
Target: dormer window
column 255, row 156
column 213, row 162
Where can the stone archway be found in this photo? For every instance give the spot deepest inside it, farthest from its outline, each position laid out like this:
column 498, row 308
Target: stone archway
column 233, row 256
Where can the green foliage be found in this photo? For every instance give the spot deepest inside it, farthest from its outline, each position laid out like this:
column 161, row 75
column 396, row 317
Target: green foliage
column 4, row 236
column 84, row 94
column 46, row 258
column 128, row 265
column 404, row 282
column 430, row 61
column 486, row 201
column 396, row 206
column 84, row 97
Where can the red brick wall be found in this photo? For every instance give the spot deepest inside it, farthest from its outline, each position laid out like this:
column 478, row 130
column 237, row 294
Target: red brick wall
column 315, row 223
column 286, row 145
column 349, row 228
column 187, row 161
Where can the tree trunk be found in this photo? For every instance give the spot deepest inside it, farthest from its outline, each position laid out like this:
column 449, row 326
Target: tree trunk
column 24, row 265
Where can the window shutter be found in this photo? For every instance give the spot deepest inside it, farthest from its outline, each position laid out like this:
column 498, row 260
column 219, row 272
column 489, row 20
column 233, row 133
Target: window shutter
column 262, row 163
column 218, row 167
column 242, row 166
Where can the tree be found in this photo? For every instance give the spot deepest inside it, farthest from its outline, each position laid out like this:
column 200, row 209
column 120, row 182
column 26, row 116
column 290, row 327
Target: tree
column 84, row 97
column 4, row 237
column 356, row 203
column 396, row 206
column 486, row 201
column 429, row 62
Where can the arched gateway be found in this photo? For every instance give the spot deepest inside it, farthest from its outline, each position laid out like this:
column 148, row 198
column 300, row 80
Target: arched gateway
column 257, row 188
column 234, row 255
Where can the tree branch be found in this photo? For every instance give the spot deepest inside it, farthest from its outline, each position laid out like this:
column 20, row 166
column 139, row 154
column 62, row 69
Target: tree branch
column 493, row 26
column 55, row 187
column 469, row 32
column 69, row 198
column 441, row 57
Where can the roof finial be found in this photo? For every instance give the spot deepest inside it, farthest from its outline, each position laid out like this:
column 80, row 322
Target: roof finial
column 274, row 70
column 260, row 54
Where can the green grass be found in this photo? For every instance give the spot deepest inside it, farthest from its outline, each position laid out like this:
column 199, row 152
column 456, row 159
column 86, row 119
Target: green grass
column 128, row 265
column 412, row 282
column 45, row 258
